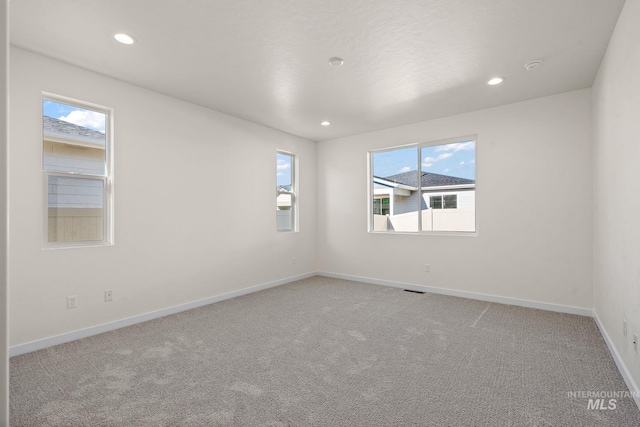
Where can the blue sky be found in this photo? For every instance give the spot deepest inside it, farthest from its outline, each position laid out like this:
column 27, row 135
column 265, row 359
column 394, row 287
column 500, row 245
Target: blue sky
column 283, row 169
column 79, row 116
column 457, row 159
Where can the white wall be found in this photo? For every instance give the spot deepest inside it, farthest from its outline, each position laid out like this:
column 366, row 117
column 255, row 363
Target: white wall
column 195, row 209
column 533, row 200
column 616, row 159
column 4, row 115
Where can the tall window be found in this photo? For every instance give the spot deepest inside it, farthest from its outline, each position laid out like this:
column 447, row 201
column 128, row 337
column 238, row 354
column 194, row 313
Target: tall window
column 285, row 191
column 76, row 147
column 427, row 187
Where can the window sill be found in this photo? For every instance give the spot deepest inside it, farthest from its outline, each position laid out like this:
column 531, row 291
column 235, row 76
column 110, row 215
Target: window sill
column 75, row 245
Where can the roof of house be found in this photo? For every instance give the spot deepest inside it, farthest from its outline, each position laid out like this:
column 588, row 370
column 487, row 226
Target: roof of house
column 61, row 129
column 428, row 179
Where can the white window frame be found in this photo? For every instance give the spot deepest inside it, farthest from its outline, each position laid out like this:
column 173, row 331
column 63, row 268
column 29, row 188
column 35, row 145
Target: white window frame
column 419, row 146
column 107, row 178
column 293, row 192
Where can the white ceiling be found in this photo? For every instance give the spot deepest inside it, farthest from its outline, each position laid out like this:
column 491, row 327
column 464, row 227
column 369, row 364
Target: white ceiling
column 267, row 60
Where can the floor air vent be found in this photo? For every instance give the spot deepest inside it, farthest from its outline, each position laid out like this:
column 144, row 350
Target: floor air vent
column 415, row 292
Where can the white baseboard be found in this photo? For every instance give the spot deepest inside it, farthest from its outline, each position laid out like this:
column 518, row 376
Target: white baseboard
column 110, row 326
column 464, row 294
column 626, row 375
column 98, row 329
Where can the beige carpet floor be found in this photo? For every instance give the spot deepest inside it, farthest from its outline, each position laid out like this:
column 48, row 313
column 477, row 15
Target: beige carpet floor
column 327, row 352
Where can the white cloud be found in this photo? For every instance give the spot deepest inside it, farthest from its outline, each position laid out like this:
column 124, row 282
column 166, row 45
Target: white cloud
column 283, row 164
column 88, row 119
column 461, row 163
column 431, row 160
column 405, row 169
column 280, row 174
column 473, row 162
column 458, row 146
column 446, row 170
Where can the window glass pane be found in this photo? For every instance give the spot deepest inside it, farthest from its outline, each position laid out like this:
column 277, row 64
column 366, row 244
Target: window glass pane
column 450, row 201
column 449, row 171
column 395, row 183
column 285, row 197
column 74, row 139
column 385, row 206
column 435, row 202
column 75, row 209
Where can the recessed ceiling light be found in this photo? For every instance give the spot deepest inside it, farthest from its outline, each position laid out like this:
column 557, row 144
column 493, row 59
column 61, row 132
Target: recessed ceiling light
column 336, row 61
column 325, row 123
column 532, row 65
column 495, row 81
column 124, row 38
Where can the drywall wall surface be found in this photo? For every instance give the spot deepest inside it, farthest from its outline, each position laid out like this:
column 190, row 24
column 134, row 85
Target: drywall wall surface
column 533, row 206
column 616, row 156
column 4, row 138
column 194, row 206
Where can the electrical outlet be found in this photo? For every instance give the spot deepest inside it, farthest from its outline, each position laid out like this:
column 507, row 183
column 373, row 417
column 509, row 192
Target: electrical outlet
column 624, row 327
column 427, row 268
column 72, row 301
column 293, row 261
column 108, row 295
column 635, row 342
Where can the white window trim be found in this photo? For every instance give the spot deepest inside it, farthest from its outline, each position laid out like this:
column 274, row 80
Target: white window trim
column 419, row 146
column 108, row 233
column 294, row 193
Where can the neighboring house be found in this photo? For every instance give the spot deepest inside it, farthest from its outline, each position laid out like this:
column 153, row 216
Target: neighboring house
column 75, row 203
column 397, row 196
column 283, row 198
column 283, row 207
column 71, row 147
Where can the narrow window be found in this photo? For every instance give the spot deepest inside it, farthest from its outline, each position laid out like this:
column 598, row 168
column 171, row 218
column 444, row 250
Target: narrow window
column 285, row 191
column 426, row 187
column 76, row 166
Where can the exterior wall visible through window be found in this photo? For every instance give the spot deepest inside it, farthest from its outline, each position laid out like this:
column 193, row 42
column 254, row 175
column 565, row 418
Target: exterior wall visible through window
column 76, row 151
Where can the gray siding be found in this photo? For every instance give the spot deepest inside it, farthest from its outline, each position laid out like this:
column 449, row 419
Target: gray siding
column 402, row 204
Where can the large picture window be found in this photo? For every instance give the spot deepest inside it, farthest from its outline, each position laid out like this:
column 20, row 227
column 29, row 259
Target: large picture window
column 76, row 148
column 427, row 188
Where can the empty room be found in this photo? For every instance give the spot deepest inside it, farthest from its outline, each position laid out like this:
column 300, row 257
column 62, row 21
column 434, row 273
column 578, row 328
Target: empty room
column 320, row 213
